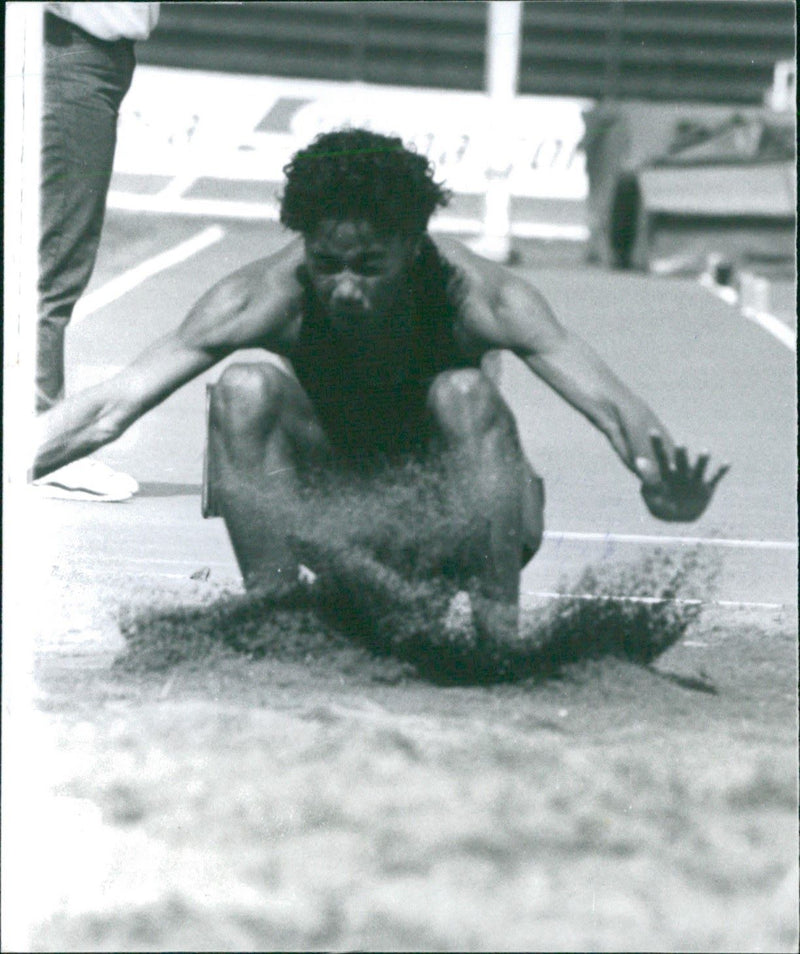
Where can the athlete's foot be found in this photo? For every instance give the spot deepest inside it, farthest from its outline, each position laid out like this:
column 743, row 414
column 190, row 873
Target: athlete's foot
column 87, row 479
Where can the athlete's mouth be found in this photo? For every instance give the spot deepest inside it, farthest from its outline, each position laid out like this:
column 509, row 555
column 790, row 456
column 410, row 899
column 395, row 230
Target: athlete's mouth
column 348, row 314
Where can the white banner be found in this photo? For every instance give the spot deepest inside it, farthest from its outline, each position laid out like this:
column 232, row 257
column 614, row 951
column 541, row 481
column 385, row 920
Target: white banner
column 188, row 124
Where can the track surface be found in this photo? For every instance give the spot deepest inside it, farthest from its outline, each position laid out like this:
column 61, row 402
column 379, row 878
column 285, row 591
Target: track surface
column 337, row 804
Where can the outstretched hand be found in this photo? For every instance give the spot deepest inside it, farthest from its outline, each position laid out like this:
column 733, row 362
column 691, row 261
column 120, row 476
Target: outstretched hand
column 674, row 489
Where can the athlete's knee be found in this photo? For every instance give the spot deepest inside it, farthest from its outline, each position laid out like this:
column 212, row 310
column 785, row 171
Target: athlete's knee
column 249, row 395
column 465, row 402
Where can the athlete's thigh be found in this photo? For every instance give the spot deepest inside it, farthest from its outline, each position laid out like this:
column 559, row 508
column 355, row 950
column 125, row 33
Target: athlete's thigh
column 258, row 401
column 302, row 424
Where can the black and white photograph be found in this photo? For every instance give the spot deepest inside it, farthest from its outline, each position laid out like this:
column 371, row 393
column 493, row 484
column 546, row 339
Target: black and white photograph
column 400, row 476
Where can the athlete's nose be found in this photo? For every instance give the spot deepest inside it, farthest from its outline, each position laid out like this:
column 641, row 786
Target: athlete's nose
column 347, row 290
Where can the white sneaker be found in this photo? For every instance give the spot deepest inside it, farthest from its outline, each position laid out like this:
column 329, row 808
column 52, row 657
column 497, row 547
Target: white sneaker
column 87, row 479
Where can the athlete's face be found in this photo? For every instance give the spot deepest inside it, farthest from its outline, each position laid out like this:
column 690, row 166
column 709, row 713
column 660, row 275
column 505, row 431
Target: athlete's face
column 358, row 274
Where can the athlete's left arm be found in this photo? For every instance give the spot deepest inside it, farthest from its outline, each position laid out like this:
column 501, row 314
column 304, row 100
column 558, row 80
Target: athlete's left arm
column 519, row 319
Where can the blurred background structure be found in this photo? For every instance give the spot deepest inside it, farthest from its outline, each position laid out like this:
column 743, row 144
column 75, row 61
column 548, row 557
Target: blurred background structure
column 631, row 85
column 712, row 51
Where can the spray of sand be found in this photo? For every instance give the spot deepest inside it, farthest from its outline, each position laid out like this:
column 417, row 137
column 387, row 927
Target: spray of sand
column 387, row 553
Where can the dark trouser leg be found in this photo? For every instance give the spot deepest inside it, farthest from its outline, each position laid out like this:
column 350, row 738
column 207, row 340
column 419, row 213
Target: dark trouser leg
column 490, row 474
column 85, row 81
column 262, row 432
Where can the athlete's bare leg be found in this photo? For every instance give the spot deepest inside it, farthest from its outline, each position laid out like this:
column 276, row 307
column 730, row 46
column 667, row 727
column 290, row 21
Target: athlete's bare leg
column 487, row 468
column 262, row 430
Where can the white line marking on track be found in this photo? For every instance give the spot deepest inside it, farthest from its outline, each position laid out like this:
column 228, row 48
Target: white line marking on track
column 724, row 292
column 130, row 279
column 178, row 185
column 764, row 319
column 535, row 594
column 773, row 325
column 542, row 595
column 168, row 203
column 196, row 564
column 537, row 230
column 165, row 204
column 557, row 536
column 651, row 600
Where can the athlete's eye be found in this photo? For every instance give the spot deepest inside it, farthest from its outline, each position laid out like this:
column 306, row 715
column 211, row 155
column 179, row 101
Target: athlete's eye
column 369, row 265
column 370, row 268
column 327, row 266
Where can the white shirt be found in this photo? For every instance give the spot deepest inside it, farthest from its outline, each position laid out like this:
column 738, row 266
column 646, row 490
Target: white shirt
column 110, row 21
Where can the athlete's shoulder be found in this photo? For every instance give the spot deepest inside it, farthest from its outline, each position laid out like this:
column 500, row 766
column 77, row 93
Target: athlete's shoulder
column 495, row 298
column 481, row 277
column 250, row 307
column 458, row 254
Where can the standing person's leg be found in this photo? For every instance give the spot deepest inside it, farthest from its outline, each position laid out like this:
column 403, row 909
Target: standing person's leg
column 85, row 81
column 488, row 471
column 262, row 432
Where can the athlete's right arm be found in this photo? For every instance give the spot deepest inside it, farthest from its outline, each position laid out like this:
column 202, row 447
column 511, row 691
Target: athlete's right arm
column 80, row 424
column 238, row 312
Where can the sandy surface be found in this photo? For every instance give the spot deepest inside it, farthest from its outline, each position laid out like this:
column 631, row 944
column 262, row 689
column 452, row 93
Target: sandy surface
column 338, row 802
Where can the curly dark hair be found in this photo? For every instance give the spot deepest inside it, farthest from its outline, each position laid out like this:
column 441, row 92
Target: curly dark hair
column 358, row 174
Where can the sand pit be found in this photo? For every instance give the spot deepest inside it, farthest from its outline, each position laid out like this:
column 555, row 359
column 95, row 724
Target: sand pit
column 323, row 796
